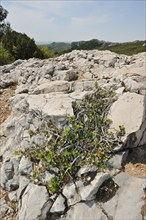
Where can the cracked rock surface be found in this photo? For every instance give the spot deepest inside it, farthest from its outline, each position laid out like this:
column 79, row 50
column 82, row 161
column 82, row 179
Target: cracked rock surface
column 34, row 91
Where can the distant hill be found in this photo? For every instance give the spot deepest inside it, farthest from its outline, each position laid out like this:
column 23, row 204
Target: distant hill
column 59, row 47
column 127, row 48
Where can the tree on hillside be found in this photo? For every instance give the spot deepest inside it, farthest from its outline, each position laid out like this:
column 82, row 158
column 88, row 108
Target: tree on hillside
column 5, row 56
column 3, row 25
column 20, row 45
column 17, row 45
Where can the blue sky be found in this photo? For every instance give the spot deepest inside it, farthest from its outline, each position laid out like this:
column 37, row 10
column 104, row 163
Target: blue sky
column 52, row 20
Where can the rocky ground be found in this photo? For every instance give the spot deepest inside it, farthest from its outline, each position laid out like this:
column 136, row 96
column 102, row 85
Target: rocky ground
column 32, row 92
column 5, row 94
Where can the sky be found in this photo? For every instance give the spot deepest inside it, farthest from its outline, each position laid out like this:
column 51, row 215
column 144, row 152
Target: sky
column 74, row 20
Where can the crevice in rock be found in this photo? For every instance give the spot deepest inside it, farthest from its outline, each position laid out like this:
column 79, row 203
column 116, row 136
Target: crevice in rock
column 136, row 155
column 65, row 203
column 53, row 216
column 109, row 217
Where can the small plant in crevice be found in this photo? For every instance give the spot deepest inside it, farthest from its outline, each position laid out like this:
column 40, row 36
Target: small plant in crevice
column 84, row 140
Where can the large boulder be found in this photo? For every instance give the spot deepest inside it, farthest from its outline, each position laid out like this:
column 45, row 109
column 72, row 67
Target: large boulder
column 54, row 86
column 128, row 111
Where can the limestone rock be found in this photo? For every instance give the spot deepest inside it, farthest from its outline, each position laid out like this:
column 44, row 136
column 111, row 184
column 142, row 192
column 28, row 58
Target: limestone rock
column 67, row 75
column 9, row 174
column 70, row 191
column 23, row 183
column 87, row 210
column 89, row 192
column 51, row 104
column 128, row 110
column 129, row 195
column 54, row 86
column 46, row 177
column 59, row 205
column 35, row 203
column 4, row 208
column 48, row 89
column 25, row 166
column 117, row 160
column 12, row 184
column 86, row 169
column 75, row 192
column 13, row 196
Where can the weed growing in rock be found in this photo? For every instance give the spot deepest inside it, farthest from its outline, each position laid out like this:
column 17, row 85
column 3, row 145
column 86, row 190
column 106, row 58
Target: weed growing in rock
column 84, row 140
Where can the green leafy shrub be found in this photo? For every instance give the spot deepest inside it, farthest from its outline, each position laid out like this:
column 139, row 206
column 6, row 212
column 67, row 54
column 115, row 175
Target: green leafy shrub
column 85, row 140
column 5, row 56
column 45, row 51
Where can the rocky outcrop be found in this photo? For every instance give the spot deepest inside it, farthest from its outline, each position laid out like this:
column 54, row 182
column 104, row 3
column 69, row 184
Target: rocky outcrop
column 47, row 89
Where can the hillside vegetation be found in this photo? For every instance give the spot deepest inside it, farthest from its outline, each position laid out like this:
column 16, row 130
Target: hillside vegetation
column 15, row 45
column 59, row 47
column 128, row 48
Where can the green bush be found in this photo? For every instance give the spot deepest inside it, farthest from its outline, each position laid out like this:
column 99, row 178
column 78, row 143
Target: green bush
column 85, row 140
column 46, row 53
column 5, row 56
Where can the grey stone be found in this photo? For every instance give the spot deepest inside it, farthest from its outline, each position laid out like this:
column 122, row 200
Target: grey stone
column 4, row 208
column 67, row 75
column 35, row 203
column 75, row 192
column 12, row 184
column 89, row 210
column 15, row 161
column 116, row 160
column 129, row 106
column 13, row 196
column 6, row 84
column 52, row 105
column 22, row 88
column 48, row 98
column 7, row 172
column 25, row 166
column 77, row 86
column 129, row 195
column 89, row 85
column 46, row 177
column 23, row 183
column 119, row 91
column 70, row 191
column 54, row 86
column 37, row 140
column 89, row 192
column 134, row 86
column 59, row 205
column 86, row 169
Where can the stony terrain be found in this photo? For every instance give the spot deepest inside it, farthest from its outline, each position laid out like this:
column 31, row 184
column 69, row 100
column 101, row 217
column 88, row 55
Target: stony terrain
column 33, row 91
